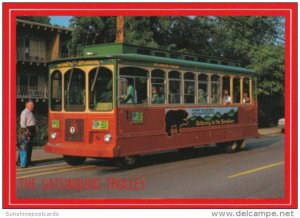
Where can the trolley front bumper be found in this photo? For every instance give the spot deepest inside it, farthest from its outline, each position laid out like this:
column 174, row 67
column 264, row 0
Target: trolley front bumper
column 82, row 150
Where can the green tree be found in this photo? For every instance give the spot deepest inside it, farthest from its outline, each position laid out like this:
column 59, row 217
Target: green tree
column 141, row 30
column 91, row 30
column 237, row 37
column 184, row 36
column 268, row 62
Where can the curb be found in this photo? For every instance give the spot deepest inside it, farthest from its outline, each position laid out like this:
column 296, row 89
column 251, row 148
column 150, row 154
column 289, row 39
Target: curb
column 47, row 160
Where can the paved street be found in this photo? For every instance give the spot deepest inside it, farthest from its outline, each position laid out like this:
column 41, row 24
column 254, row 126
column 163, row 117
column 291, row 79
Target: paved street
column 256, row 172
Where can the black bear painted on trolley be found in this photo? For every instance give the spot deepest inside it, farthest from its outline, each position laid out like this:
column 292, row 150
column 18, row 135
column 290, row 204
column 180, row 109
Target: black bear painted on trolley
column 175, row 118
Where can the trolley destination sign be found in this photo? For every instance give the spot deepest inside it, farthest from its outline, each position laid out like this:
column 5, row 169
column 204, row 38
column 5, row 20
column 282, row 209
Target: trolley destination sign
column 198, row 117
column 212, row 116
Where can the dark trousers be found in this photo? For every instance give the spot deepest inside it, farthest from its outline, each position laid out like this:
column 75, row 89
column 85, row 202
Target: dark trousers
column 32, row 131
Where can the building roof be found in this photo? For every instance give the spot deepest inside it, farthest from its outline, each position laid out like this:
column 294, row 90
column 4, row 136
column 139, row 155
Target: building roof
column 42, row 25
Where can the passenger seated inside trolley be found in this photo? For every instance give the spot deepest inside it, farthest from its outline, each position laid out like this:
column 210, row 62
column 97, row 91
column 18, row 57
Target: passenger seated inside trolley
column 131, row 93
column 158, row 97
column 133, row 83
column 202, row 97
column 246, row 99
column 190, row 95
column 226, row 98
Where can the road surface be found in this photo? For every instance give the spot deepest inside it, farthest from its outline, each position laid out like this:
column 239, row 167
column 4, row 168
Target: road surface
column 256, row 172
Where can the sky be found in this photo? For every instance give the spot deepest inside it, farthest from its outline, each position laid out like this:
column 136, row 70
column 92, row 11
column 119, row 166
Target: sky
column 60, row 20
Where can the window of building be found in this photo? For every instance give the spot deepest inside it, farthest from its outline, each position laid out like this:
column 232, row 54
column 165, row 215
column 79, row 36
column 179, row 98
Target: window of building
column 64, row 52
column 28, row 85
column 37, row 50
column 28, row 80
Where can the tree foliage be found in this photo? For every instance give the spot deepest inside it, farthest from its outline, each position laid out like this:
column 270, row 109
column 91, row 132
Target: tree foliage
column 256, row 41
column 91, row 30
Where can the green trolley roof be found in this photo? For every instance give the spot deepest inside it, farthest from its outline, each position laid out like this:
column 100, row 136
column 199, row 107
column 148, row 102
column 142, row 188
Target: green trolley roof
column 134, row 53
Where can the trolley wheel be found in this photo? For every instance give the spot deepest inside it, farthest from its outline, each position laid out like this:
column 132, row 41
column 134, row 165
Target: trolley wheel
column 74, row 160
column 127, row 162
column 241, row 144
column 232, row 147
column 222, row 147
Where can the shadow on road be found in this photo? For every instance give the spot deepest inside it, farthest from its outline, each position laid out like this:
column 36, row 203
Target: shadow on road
column 183, row 154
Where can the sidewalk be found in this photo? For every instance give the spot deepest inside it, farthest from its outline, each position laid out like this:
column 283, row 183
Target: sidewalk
column 39, row 155
column 269, row 131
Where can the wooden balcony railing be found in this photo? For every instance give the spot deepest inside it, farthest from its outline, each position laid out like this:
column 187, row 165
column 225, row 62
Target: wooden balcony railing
column 25, row 54
column 36, row 92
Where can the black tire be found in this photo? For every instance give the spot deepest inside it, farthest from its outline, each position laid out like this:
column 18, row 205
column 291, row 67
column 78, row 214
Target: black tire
column 241, row 144
column 74, row 160
column 126, row 163
column 232, row 147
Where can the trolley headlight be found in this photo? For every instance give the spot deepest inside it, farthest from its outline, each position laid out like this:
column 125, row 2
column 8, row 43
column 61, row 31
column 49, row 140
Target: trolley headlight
column 107, row 137
column 53, row 135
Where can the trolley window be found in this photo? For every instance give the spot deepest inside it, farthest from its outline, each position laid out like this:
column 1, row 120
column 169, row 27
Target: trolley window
column 100, row 89
column 174, row 87
column 56, row 91
column 236, row 90
column 136, row 80
column 246, row 90
column 189, row 88
column 202, row 88
column 74, row 90
column 158, row 87
column 215, row 89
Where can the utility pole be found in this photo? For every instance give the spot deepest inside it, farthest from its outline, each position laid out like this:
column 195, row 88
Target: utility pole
column 120, row 29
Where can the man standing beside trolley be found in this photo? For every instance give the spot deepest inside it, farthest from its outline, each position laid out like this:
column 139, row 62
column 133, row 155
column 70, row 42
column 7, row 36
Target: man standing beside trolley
column 28, row 121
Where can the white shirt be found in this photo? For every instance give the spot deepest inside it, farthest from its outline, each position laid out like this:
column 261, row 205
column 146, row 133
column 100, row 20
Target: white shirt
column 227, row 99
column 27, row 118
column 246, row 100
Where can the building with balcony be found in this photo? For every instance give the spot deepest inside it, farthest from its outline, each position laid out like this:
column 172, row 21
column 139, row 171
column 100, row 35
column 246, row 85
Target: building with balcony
column 37, row 44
